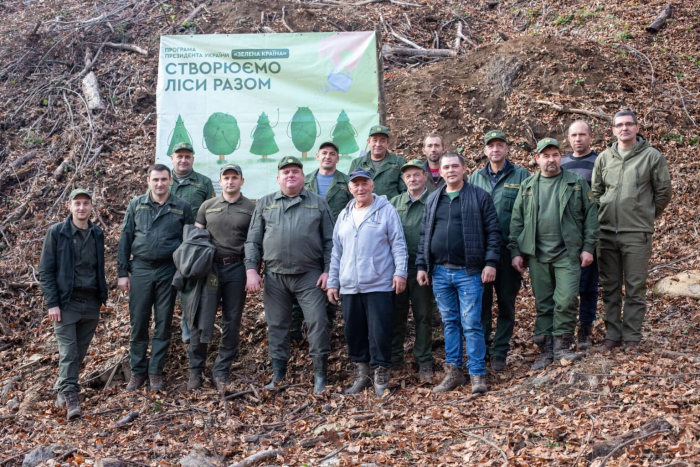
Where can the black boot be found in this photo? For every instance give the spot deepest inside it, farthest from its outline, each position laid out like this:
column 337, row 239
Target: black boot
column 546, row 345
column 562, row 348
column 362, row 379
column 320, row 373
column 72, row 405
column 279, row 372
column 585, row 330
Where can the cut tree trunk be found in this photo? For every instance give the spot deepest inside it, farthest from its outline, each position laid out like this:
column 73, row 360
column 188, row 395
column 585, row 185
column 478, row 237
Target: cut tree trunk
column 109, row 462
column 406, row 52
column 91, row 89
column 660, row 20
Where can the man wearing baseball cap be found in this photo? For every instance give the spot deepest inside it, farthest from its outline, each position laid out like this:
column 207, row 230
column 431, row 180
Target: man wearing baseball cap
column 227, row 218
column 292, row 232
column 383, row 166
column 554, row 229
column 501, row 179
column 72, row 275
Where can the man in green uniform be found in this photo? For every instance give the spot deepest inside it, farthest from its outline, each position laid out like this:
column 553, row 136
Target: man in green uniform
column 632, row 186
column 191, row 186
column 554, row 227
column 384, row 166
column 410, row 206
column 227, row 218
column 151, row 232
column 292, row 232
column 72, row 272
column 501, row 179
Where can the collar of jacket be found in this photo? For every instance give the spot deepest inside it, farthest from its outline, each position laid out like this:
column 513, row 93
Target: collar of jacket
column 641, row 144
column 507, row 168
column 222, row 200
column 311, row 182
column 303, row 193
column 146, row 199
column 389, row 158
column 189, row 179
column 379, row 202
column 67, row 229
column 406, row 198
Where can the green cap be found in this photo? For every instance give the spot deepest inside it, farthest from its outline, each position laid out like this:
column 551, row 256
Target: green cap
column 183, row 145
column 546, row 142
column 379, row 130
column 495, row 134
column 417, row 163
column 290, row 160
column 235, row 167
column 79, row 191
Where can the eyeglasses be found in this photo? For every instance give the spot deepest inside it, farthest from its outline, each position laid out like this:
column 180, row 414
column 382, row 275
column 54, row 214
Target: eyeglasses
column 625, row 124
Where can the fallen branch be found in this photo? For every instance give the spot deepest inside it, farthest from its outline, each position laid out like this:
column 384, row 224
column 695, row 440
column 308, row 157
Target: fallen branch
column 130, row 417
column 406, row 41
column 298, row 409
column 673, row 262
column 255, row 458
column 490, row 443
column 660, row 20
column 674, row 355
column 680, row 93
column 619, row 446
column 129, row 47
column 194, row 13
column 458, row 39
column 285, row 22
column 333, row 454
column 608, row 447
column 20, row 161
column 633, row 50
column 402, row 51
column 565, row 109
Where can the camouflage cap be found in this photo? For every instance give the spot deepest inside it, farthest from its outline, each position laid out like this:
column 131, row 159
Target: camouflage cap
column 79, row 191
column 417, row 163
column 235, row 167
column 183, row 145
column 290, row 160
column 495, row 134
column 379, row 130
column 546, row 142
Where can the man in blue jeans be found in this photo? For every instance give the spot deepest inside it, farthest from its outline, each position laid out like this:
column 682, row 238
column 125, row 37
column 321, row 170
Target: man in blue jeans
column 460, row 243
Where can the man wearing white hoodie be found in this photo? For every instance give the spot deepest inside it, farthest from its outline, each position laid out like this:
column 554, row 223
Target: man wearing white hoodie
column 369, row 264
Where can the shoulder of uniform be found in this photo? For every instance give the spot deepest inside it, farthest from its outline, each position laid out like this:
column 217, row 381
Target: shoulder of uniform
column 342, row 176
column 201, row 177
column 209, row 202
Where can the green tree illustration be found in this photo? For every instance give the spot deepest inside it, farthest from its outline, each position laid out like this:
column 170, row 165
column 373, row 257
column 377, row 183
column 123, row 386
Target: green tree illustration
column 263, row 138
column 179, row 135
column 303, row 126
column 344, row 135
column 221, row 135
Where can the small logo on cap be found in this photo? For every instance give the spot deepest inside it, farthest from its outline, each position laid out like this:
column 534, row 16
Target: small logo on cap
column 290, row 160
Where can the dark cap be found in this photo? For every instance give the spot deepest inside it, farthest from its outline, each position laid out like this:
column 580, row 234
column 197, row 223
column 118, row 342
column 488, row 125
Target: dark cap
column 235, row 167
column 379, row 130
column 545, row 143
column 357, row 173
column 328, row 143
column 417, row 163
column 79, row 191
column 289, row 160
column 495, row 134
column 183, row 145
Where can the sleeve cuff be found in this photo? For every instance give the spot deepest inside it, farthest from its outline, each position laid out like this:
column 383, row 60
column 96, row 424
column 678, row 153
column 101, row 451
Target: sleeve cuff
column 493, row 264
column 515, row 252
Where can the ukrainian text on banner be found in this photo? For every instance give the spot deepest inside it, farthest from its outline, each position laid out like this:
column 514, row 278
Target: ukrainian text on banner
column 253, row 99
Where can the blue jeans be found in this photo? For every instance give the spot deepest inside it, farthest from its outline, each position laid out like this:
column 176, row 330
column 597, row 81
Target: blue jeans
column 458, row 297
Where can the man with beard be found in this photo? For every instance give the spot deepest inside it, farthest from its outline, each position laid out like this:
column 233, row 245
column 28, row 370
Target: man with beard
column 384, row 166
column 433, row 149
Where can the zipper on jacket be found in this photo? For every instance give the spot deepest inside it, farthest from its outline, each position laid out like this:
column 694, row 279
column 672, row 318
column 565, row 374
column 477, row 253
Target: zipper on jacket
column 449, row 218
column 619, row 190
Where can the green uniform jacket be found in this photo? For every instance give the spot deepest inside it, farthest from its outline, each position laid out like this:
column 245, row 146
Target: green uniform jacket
column 150, row 232
column 387, row 181
column 337, row 195
column 292, row 236
column 411, row 214
column 195, row 190
column 504, row 193
column 578, row 215
column 631, row 192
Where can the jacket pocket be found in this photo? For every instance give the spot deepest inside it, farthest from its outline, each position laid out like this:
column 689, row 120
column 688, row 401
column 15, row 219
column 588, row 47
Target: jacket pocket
column 367, row 272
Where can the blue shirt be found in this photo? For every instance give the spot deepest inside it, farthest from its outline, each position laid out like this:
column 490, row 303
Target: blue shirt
column 324, row 181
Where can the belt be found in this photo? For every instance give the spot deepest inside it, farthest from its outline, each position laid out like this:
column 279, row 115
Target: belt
column 84, row 296
column 229, row 260
column 153, row 262
column 452, row 266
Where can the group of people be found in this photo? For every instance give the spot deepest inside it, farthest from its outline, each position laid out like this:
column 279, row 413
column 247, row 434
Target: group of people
column 389, row 237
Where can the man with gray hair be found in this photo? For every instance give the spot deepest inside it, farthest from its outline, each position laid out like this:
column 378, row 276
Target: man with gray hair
column 632, row 187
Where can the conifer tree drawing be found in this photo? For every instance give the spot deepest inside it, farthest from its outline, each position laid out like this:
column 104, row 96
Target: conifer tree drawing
column 263, row 138
column 344, row 135
column 304, row 134
column 179, row 135
column 221, row 135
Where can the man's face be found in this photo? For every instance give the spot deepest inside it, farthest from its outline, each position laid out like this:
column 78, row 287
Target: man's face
column 580, row 138
column 327, row 158
column 361, row 189
column 378, row 144
column 414, row 178
column 231, row 182
column 159, row 182
column 81, row 207
column 451, row 169
column 433, row 149
column 496, row 150
column 549, row 161
column 290, row 179
column 182, row 161
column 625, row 129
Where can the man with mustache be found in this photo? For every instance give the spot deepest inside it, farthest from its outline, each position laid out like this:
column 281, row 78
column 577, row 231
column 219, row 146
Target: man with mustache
column 384, row 166
column 433, row 149
column 554, row 229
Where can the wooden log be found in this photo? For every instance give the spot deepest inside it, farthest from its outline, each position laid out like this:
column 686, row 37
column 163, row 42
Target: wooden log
column 660, row 20
column 91, row 90
column 129, row 47
column 20, row 161
column 109, row 462
column 380, row 76
column 388, row 50
column 257, row 457
column 566, row 109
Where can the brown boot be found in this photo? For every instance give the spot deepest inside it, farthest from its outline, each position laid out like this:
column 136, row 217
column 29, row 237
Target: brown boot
column 478, row 384
column 156, row 382
column 585, row 330
column 362, row 379
column 425, row 372
column 72, row 405
column 454, row 377
column 632, row 347
column 607, row 346
column 546, row 358
column 562, row 349
column 195, row 382
column 135, row 382
column 221, row 382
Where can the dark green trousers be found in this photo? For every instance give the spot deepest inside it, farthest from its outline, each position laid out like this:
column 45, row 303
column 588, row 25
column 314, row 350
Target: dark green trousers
column 623, row 258
column 421, row 300
column 74, row 333
column 298, row 319
column 151, row 292
column 555, row 286
column 506, row 286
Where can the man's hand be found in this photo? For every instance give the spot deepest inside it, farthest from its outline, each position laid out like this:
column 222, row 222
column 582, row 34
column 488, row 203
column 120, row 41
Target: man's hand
column 586, row 259
column 323, row 281
column 253, row 281
column 423, row 278
column 124, row 283
column 333, row 296
column 519, row 264
column 488, row 274
column 399, row 284
column 54, row 314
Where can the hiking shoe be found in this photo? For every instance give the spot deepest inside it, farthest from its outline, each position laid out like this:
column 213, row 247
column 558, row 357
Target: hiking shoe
column 498, row 364
column 195, row 382
column 478, row 384
column 562, row 349
column 381, row 380
column 221, row 382
column 585, row 331
column 156, row 382
column 546, row 358
column 72, row 405
column 425, row 372
column 607, row 346
column 632, row 347
column 320, row 373
column 454, row 377
column 136, row 382
column 60, row 400
column 279, row 372
column 362, row 379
